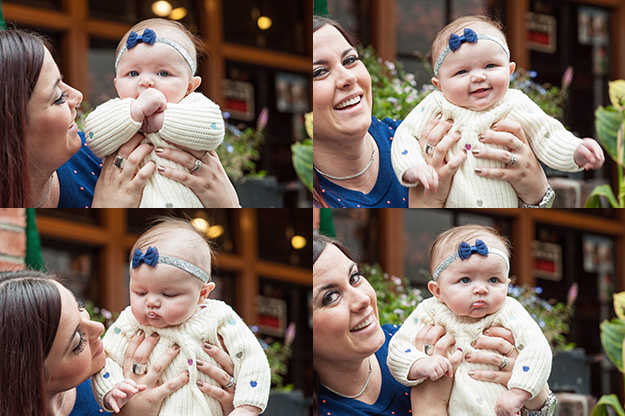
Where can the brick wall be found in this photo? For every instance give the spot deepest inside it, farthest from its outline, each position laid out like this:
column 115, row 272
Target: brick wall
column 12, row 238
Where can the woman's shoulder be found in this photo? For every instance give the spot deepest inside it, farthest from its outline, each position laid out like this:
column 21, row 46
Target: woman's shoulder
column 86, row 404
column 383, row 130
column 78, row 177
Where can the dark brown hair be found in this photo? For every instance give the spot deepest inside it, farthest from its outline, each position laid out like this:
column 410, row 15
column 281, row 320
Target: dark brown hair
column 30, row 311
column 21, row 59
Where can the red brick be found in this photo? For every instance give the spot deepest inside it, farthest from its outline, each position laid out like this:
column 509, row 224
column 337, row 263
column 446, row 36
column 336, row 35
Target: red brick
column 13, row 243
column 13, row 216
column 4, row 265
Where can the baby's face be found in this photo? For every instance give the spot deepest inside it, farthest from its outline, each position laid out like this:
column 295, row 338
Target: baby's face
column 476, row 75
column 164, row 295
column 157, row 66
column 474, row 287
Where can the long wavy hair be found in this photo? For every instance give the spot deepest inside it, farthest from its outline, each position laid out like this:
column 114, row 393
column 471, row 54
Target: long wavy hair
column 30, row 311
column 21, row 59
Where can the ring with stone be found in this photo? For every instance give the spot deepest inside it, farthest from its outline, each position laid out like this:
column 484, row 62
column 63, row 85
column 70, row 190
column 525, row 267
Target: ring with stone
column 231, row 383
column 197, row 166
column 427, row 349
column 429, row 149
column 504, row 362
column 512, row 159
column 139, row 369
column 119, row 161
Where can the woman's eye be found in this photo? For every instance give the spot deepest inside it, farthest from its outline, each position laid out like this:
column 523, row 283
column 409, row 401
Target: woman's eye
column 351, row 59
column 81, row 343
column 62, row 98
column 163, row 74
column 465, row 280
column 329, row 298
column 355, row 277
column 319, row 72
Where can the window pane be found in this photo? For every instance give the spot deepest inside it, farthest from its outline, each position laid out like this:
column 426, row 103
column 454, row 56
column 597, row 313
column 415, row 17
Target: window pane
column 277, row 232
column 132, row 11
column 101, row 71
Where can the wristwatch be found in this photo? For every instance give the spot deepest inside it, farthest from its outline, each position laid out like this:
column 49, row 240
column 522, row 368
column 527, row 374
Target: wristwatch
column 546, row 202
column 549, row 408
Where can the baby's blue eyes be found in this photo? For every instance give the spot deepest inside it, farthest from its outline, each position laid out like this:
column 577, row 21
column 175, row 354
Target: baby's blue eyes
column 163, row 73
column 465, row 280
column 492, row 280
column 159, row 73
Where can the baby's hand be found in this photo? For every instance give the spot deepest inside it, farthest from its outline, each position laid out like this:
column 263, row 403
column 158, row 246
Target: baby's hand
column 424, row 174
column 149, row 102
column 246, row 410
column 589, row 154
column 122, row 392
column 511, row 402
column 433, row 367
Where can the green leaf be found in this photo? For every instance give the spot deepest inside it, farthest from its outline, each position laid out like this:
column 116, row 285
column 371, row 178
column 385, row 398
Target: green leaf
column 605, row 401
column 302, row 154
column 612, row 335
column 594, row 200
column 607, row 123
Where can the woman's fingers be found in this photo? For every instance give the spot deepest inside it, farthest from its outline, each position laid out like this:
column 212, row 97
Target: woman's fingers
column 165, row 389
column 143, row 351
column 222, row 358
column 159, row 365
column 492, row 358
column 494, row 376
column 134, row 343
column 500, row 332
column 435, row 130
column 225, row 397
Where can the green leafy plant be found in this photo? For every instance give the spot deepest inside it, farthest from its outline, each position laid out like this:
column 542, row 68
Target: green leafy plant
column 609, row 125
column 552, row 317
column 278, row 355
column 551, row 99
column 240, row 149
column 612, row 337
column 302, row 155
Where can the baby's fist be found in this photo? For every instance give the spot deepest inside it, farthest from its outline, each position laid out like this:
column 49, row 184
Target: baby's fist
column 424, row 174
column 589, row 154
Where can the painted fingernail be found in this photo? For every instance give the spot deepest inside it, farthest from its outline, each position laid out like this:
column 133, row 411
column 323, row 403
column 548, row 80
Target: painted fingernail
column 176, row 347
column 473, row 344
column 199, row 363
column 467, row 356
column 154, row 334
column 140, row 332
column 160, row 168
column 207, row 346
column 486, row 331
column 438, row 116
column 471, row 373
column 159, row 150
column 199, row 383
column 476, row 151
column 477, row 170
column 495, row 126
column 480, row 137
column 460, row 349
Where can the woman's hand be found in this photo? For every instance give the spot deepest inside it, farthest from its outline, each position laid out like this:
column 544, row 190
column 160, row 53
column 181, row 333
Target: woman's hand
column 148, row 402
column 432, row 397
column 500, row 340
column 526, row 175
column 436, row 134
column 210, row 183
column 223, row 376
column 123, row 187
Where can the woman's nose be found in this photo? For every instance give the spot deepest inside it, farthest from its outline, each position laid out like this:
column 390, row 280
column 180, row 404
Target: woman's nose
column 345, row 78
column 360, row 300
column 95, row 329
column 75, row 97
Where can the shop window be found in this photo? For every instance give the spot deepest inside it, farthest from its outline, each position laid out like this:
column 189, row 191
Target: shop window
column 81, row 215
column 354, row 15
column 285, row 236
column 132, row 11
column 101, row 60
column 224, row 286
column 272, row 24
column 44, row 4
column 359, row 231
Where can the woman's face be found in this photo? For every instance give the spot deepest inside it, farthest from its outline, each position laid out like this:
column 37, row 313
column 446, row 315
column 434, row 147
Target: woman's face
column 77, row 352
column 341, row 88
column 345, row 313
column 51, row 133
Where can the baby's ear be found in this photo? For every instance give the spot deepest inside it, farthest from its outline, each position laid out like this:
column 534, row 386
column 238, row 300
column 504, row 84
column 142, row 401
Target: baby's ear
column 434, row 289
column 512, row 67
column 193, row 84
column 206, row 289
column 436, row 82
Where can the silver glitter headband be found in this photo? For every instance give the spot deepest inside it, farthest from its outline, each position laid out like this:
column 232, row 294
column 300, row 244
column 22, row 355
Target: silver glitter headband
column 465, row 251
column 181, row 50
column 152, row 258
column 486, row 36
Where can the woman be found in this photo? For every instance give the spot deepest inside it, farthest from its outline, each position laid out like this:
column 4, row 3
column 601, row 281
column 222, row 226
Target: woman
column 45, row 159
column 350, row 347
column 351, row 159
column 50, row 348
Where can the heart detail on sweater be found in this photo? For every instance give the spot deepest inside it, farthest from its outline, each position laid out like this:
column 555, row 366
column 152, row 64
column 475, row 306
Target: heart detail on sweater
column 253, row 383
column 232, row 322
column 107, row 375
column 526, row 369
column 239, row 354
column 117, row 330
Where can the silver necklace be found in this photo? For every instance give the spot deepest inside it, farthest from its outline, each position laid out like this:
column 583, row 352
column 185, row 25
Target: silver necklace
column 342, row 178
column 361, row 391
column 47, row 193
column 63, row 402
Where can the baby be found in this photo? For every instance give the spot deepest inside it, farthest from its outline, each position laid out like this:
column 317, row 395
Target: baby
column 169, row 285
column 155, row 68
column 470, row 266
column 472, row 69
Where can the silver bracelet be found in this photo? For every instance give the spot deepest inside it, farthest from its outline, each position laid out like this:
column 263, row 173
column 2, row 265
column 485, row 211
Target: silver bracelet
column 548, row 409
column 546, row 202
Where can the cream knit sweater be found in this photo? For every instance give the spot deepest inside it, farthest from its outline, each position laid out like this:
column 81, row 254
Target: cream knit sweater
column 251, row 369
column 551, row 142
column 195, row 123
column 471, row 397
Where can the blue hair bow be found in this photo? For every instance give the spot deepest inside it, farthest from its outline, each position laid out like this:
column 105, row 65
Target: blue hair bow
column 150, row 257
column 455, row 41
column 465, row 250
column 148, row 37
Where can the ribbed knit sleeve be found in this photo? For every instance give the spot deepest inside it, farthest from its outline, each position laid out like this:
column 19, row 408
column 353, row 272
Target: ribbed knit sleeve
column 402, row 352
column 533, row 365
column 406, row 150
column 251, row 368
column 195, row 122
column 109, row 126
column 551, row 142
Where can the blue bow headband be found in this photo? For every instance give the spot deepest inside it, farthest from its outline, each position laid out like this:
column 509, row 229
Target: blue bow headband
column 469, row 35
column 465, row 251
column 149, row 37
column 152, row 258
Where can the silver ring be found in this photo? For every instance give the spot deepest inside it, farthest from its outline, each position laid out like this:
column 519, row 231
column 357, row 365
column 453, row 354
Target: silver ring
column 427, row 349
column 205, row 153
column 119, row 161
column 231, row 383
column 197, row 166
column 518, row 147
column 429, row 149
column 504, row 362
column 511, row 349
column 512, row 159
column 139, row 368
